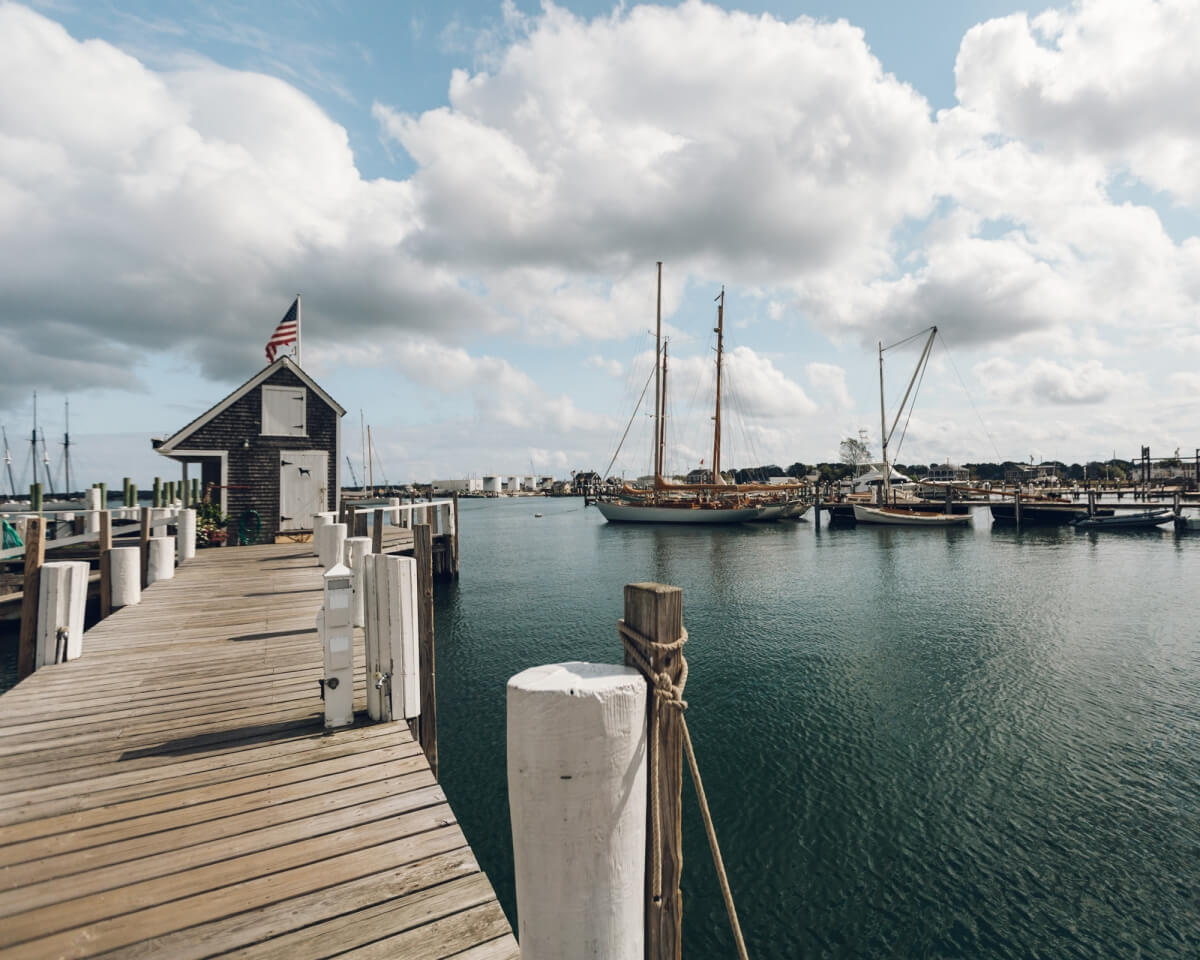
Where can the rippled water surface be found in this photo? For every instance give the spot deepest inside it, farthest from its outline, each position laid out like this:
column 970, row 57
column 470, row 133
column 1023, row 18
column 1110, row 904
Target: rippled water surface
column 929, row 743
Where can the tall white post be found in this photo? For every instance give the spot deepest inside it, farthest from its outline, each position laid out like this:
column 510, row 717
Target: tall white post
column 319, row 521
column 333, row 536
column 62, row 599
column 577, row 796
column 185, row 533
column 354, row 553
column 92, row 498
column 337, row 640
column 125, row 564
column 161, row 564
column 390, row 637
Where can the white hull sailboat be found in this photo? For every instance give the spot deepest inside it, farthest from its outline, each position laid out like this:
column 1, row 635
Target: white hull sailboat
column 908, row 518
column 882, row 513
column 686, row 511
column 701, row 503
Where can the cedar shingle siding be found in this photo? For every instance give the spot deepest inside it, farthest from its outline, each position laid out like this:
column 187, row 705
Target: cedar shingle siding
column 253, row 478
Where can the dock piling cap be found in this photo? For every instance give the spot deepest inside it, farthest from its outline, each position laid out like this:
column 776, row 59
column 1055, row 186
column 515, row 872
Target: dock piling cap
column 575, row 678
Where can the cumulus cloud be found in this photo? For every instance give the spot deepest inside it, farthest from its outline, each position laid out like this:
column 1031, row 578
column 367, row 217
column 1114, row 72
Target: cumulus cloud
column 1044, row 381
column 1108, row 78
column 686, row 133
column 614, row 368
column 829, row 383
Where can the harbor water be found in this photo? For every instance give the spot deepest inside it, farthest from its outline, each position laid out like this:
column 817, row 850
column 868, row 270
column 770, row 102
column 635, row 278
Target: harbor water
column 974, row 743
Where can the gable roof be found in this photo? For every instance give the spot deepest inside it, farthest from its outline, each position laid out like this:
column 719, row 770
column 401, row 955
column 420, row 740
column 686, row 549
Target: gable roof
column 264, row 374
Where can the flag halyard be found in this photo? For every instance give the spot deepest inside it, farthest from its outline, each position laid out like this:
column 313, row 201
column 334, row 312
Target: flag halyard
column 287, row 331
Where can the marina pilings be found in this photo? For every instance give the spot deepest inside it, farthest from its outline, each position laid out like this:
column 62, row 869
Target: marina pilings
column 105, row 546
column 62, row 600
column 655, row 611
column 35, row 497
column 427, row 722
column 158, row 492
column 160, row 563
column 125, row 586
column 577, row 769
column 35, row 557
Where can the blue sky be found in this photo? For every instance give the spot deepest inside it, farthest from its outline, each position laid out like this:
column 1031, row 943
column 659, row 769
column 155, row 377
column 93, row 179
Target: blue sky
column 471, row 197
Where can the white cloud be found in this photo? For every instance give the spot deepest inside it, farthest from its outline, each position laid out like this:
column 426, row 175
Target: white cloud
column 829, row 383
column 614, row 368
column 1043, row 381
column 686, row 133
column 1108, row 78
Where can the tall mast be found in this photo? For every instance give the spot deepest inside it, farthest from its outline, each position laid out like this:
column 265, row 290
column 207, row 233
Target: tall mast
column 8, row 463
column 883, row 434
column 67, row 448
column 33, row 457
column 662, row 421
column 658, row 365
column 720, row 332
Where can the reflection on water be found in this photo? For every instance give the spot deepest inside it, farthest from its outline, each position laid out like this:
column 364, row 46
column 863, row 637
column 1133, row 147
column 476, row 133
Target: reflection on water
column 965, row 742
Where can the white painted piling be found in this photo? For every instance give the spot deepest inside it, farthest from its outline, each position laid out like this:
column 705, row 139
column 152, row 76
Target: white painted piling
column 353, row 552
column 185, row 534
column 62, row 599
column 390, row 638
column 320, row 520
column 158, row 523
column 333, row 536
column 125, row 565
column 577, row 797
column 92, row 499
column 161, row 565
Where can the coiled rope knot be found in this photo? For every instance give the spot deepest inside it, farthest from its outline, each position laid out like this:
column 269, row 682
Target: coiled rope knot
column 640, row 648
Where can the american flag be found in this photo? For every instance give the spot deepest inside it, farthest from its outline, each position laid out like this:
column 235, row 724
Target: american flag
column 287, row 332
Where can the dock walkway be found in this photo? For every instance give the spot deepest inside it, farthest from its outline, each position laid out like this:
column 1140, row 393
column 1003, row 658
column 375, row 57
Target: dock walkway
column 172, row 793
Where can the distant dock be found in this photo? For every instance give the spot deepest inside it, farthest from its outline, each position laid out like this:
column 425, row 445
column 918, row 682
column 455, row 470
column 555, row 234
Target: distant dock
column 172, row 793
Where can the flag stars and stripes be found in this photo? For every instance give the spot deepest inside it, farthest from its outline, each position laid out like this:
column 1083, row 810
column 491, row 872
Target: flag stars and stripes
column 288, row 331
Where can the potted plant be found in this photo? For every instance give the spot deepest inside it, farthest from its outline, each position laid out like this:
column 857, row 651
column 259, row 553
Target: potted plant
column 212, row 526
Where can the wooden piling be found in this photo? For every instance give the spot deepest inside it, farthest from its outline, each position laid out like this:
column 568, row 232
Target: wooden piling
column 360, row 523
column 454, row 539
column 1017, row 506
column 423, row 553
column 105, row 564
column 656, row 611
column 133, row 496
column 157, row 492
column 35, row 556
column 35, row 497
column 144, row 546
column 377, row 532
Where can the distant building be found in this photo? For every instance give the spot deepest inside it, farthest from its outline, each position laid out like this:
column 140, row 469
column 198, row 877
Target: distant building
column 586, row 483
column 1043, row 474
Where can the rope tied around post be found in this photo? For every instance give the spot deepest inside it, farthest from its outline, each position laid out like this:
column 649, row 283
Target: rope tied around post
column 669, row 693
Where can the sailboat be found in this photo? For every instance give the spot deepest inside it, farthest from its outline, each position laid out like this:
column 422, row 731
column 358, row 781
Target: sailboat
column 704, row 503
column 890, row 515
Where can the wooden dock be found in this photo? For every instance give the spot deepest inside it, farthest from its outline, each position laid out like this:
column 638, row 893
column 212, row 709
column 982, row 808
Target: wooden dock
column 172, row 793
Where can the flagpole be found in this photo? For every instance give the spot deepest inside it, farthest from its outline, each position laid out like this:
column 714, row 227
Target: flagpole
column 298, row 330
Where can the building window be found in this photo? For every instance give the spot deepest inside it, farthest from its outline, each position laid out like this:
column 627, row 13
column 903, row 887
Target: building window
column 283, row 411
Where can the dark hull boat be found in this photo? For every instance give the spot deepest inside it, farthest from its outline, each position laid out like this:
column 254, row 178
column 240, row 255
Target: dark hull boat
column 1135, row 521
column 1043, row 512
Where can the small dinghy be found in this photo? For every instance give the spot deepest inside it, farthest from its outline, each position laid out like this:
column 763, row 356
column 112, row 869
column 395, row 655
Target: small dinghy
column 1129, row 521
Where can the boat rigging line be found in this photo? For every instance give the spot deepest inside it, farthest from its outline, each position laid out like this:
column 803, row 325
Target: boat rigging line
column 971, row 400
column 636, row 408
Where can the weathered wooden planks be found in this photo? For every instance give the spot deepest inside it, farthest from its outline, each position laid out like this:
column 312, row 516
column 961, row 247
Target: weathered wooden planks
column 171, row 793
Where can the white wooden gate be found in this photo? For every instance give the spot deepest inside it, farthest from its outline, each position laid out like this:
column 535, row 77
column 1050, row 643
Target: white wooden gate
column 303, row 487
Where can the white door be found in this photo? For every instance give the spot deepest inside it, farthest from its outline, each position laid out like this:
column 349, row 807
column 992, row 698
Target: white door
column 303, row 487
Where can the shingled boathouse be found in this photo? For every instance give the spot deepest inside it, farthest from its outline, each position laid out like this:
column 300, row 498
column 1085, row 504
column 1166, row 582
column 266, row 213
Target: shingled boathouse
column 269, row 453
